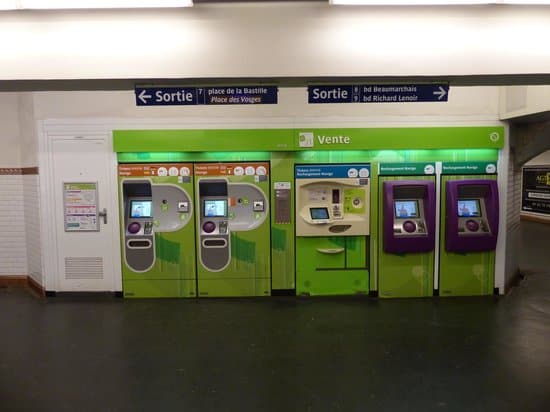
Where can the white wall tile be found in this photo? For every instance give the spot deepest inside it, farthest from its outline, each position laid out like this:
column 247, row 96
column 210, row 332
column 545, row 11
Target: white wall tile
column 32, row 226
column 13, row 248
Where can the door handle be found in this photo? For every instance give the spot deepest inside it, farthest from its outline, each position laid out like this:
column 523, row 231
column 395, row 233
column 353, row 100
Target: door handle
column 103, row 214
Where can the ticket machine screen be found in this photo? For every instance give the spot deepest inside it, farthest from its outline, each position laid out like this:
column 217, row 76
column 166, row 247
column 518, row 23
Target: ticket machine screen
column 215, row 208
column 406, row 208
column 319, row 213
column 468, row 208
column 141, row 208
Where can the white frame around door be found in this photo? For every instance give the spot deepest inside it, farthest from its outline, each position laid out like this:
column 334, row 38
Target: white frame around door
column 50, row 251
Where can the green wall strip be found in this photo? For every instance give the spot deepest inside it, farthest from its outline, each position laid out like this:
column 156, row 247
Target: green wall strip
column 203, row 140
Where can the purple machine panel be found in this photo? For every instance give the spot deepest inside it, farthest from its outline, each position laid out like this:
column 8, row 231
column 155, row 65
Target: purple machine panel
column 409, row 216
column 472, row 215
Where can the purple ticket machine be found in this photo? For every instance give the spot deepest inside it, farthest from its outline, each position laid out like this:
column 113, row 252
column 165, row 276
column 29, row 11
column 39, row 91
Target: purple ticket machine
column 409, row 216
column 472, row 215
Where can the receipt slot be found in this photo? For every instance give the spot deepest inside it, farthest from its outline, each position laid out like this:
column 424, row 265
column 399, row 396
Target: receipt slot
column 409, row 216
column 158, row 240
column 472, row 216
column 469, row 225
column 407, row 224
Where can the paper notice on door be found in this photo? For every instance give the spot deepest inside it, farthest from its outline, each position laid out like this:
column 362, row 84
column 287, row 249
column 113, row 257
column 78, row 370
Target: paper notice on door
column 80, row 207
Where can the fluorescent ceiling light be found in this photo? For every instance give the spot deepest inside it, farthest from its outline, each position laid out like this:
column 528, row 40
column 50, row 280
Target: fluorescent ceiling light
column 90, row 4
column 430, row 2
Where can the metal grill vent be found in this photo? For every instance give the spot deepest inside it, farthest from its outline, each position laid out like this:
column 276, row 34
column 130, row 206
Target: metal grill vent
column 83, row 268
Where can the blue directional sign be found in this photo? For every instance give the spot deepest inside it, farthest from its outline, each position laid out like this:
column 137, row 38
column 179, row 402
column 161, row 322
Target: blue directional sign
column 219, row 95
column 372, row 93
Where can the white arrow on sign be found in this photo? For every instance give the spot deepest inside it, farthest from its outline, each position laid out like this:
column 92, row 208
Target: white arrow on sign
column 143, row 96
column 441, row 93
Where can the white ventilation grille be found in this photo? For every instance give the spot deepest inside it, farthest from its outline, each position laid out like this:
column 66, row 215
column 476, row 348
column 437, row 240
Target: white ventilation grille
column 83, row 268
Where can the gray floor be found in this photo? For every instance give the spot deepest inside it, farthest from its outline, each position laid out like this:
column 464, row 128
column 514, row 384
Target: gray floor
column 282, row 354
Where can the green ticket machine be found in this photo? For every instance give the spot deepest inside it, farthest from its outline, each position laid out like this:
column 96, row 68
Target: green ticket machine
column 158, row 239
column 233, row 229
column 407, row 226
column 332, row 229
column 469, row 232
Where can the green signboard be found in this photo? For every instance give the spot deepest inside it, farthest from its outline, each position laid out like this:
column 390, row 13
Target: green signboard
column 469, row 168
column 275, row 140
column 400, row 138
column 406, row 169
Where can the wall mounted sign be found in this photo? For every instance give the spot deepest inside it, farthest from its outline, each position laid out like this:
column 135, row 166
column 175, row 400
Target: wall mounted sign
column 332, row 171
column 535, row 190
column 469, row 168
column 372, row 93
column 80, row 207
column 406, row 169
column 193, row 96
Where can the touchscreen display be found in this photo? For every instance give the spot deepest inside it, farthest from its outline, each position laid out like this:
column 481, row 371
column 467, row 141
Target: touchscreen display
column 318, row 213
column 406, row 208
column 468, row 207
column 141, row 208
column 215, row 208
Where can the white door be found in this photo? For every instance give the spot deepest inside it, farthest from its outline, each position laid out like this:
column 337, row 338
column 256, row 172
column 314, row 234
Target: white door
column 86, row 260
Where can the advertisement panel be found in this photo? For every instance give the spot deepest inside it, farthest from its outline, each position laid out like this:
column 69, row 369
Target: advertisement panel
column 535, row 190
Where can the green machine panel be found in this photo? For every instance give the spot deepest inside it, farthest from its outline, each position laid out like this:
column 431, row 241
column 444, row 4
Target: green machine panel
column 464, row 273
column 282, row 223
column 404, row 274
column 332, row 265
column 233, row 229
column 158, row 233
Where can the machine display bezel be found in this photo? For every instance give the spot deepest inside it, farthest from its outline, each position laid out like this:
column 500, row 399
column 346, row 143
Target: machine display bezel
column 214, row 208
column 470, row 204
column 147, row 206
column 410, row 206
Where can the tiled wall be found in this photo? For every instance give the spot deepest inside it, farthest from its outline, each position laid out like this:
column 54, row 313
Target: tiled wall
column 512, row 221
column 31, row 197
column 20, row 252
column 13, row 250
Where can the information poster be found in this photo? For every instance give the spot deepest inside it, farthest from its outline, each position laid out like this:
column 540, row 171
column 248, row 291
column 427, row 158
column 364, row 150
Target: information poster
column 80, row 207
column 536, row 190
